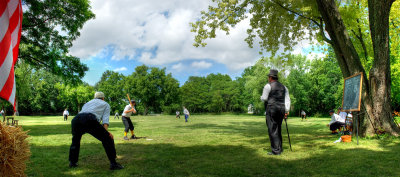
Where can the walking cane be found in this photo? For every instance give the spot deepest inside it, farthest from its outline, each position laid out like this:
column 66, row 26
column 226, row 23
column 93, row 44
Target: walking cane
column 290, row 144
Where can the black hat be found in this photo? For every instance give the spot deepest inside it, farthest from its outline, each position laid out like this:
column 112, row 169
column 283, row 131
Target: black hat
column 273, row 73
column 133, row 101
column 331, row 111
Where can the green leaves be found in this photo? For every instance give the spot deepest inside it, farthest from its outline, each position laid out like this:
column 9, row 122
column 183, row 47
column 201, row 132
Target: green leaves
column 153, row 89
column 280, row 25
column 48, row 29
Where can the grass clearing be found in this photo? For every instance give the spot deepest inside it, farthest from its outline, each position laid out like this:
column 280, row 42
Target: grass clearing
column 208, row 145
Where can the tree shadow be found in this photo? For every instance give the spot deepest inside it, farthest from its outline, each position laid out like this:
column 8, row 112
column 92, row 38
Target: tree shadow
column 58, row 129
column 309, row 135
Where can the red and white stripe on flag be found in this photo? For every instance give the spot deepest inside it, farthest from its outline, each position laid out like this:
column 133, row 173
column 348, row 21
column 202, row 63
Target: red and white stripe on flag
column 10, row 34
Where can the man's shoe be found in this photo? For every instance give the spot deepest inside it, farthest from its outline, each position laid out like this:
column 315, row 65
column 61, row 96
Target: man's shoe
column 134, row 137
column 73, row 165
column 116, row 166
column 271, row 153
column 126, row 138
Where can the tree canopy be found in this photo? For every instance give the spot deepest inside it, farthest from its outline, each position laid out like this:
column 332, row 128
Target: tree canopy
column 48, row 29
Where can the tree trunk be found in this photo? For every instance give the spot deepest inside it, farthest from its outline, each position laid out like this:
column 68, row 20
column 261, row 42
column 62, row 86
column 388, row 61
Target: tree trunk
column 379, row 76
column 377, row 112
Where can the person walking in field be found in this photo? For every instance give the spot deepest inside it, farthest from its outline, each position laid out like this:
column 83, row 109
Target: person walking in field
column 187, row 114
column 88, row 121
column 116, row 115
column 178, row 114
column 65, row 114
column 277, row 104
column 303, row 115
column 126, row 120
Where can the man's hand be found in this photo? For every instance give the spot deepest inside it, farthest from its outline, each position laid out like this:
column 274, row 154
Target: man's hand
column 286, row 115
column 111, row 136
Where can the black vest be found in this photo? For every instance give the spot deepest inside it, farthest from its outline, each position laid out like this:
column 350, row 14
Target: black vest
column 277, row 94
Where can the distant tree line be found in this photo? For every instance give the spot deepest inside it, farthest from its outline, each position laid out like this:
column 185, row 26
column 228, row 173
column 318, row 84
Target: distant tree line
column 315, row 86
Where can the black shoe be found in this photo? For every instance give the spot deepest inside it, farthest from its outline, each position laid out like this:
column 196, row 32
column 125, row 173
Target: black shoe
column 126, row 138
column 134, row 137
column 73, row 165
column 116, row 166
column 271, row 153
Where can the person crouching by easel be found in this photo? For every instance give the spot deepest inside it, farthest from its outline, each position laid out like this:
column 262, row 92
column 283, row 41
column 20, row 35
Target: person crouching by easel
column 126, row 119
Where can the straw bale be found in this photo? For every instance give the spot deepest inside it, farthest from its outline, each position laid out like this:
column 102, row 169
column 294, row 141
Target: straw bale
column 14, row 150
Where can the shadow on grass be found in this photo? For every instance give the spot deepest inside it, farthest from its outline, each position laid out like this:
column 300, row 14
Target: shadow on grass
column 307, row 133
column 204, row 160
column 58, row 129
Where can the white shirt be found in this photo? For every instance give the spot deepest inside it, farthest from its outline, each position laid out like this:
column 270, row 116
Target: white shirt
column 185, row 111
column 303, row 113
column 177, row 112
column 127, row 107
column 267, row 89
column 336, row 118
column 66, row 113
column 99, row 108
column 343, row 115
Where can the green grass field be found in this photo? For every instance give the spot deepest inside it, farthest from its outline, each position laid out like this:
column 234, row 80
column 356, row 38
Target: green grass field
column 209, row 145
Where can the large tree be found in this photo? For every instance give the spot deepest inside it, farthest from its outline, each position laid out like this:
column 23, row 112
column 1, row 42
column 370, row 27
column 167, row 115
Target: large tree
column 48, row 29
column 112, row 85
column 282, row 24
column 153, row 89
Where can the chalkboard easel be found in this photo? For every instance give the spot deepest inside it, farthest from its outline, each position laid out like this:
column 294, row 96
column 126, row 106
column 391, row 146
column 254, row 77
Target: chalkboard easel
column 352, row 96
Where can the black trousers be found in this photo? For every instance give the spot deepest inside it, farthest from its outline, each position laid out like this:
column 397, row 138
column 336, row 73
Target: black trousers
column 274, row 118
column 336, row 125
column 127, row 123
column 65, row 117
column 87, row 123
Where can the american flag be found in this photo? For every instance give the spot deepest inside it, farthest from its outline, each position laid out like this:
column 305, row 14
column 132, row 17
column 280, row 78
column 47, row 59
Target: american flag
column 10, row 34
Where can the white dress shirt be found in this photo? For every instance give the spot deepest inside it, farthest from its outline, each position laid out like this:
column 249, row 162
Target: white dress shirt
column 99, row 108
column 66, row 113
column 336, row 118
column 343, row 116
column 185, row 111
column 265, row 94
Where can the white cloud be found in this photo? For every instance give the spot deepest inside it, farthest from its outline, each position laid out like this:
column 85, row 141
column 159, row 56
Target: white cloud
column 201, row 65
column 157, row 32
column 177, row 67
column 161, row 31
column 120, row 69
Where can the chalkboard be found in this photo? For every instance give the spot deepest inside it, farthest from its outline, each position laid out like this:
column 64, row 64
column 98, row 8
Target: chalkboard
column 352, row 92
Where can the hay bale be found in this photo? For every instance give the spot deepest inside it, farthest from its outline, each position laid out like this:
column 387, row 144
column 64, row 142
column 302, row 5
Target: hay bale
column 14, row 151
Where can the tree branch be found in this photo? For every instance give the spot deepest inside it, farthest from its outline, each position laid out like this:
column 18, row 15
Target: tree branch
column 37, row 60
column 320, row 24
column 321, row 30
column 297, row 13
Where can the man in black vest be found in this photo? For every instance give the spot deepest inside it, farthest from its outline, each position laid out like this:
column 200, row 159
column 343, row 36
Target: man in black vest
column 277, row 104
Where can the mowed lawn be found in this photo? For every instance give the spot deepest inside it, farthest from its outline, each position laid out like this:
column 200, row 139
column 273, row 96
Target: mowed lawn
column 209, row 145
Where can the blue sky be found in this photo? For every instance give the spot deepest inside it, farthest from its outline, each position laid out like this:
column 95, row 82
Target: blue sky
column 129, row 33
